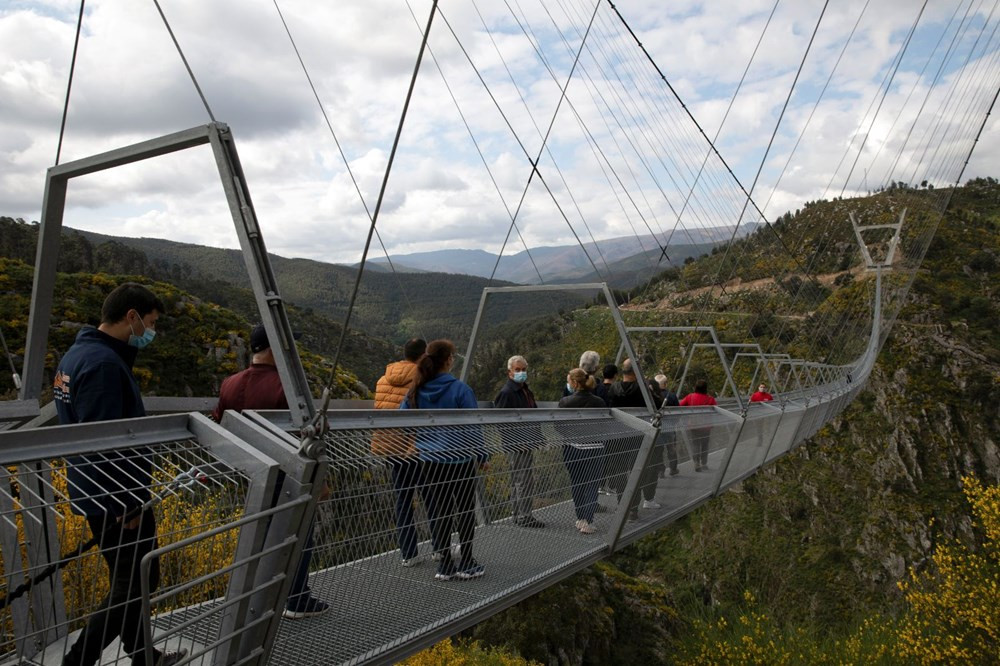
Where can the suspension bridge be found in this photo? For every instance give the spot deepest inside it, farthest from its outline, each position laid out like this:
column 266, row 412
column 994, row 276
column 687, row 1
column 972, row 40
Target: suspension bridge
column 236, row 500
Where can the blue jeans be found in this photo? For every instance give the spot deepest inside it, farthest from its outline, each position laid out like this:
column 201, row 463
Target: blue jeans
column 406, row 478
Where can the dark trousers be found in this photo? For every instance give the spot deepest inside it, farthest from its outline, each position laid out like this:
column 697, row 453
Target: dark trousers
column 670, row 444
column 449, row 491
column 621, row 459
column 120, row 612
column 299, row 591
column 586, row 469
column 300, row 584
column 405, row 481
column 699, row 442
column 651, row 472
column 522, row 482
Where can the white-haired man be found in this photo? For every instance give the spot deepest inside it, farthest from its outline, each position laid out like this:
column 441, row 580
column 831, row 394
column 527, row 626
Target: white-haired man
column 515, row 394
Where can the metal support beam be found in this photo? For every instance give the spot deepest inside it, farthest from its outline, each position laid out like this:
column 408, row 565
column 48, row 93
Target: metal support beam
column 589, row 286
column 261, row 275
column 890, row 254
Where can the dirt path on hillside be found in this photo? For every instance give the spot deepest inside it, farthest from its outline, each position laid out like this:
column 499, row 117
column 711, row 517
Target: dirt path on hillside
column 734, row 285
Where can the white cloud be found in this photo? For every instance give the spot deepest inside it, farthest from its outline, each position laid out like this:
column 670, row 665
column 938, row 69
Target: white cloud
column 130, row 85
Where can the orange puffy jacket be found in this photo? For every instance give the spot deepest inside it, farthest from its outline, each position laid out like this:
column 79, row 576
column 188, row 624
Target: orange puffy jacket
column 390, row 390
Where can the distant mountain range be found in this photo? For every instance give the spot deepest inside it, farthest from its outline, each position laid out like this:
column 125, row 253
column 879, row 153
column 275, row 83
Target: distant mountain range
column 622, row 262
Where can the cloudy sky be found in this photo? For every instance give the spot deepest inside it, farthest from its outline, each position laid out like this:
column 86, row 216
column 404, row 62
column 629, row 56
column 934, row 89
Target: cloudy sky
column 621, row 156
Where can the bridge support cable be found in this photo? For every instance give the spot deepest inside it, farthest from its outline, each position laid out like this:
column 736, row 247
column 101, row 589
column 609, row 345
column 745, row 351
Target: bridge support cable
column 595, row 94
column 479, row 151
column 534, row 122
column 722, row 123
column 680, row 101
column 921, row 237
column 748, row 197
column 69, row 82
column 767, row 150
column 187, row 66
column 340, row 149
column 532, row 161
column 378, row 202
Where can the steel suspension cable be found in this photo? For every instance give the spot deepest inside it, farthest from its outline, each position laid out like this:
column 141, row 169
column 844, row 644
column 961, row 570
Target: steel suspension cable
column 184, row 59
column 687, row 110
column 538, row 130
column 340, row 149
column 69, row 83
column 770, row 142
column 591, row 140
column 381, row 194
column 725, row 116
column 479, row 150
column 545, row 138
column 887, row 87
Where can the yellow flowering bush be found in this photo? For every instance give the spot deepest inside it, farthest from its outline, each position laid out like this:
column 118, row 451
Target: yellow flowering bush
column 447, row 653
column 953, row 612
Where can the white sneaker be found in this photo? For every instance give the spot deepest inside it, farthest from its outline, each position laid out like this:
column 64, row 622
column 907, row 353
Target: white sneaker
column 585, row 527
column 651, row 504
column 411, row 562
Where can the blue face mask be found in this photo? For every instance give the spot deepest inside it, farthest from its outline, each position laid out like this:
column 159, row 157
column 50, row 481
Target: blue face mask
column 521, row 376
column 141, row 341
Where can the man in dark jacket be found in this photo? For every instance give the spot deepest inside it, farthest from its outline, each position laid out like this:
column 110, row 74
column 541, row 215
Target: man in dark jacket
column 94, row 382
column 259, row 387
column 516, row 395
column 609, row 374
column 626, row 393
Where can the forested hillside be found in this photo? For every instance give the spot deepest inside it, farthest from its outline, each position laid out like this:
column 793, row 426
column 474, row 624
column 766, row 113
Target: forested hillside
column 392, row 307
column 803, row 563
column 197, row 345
column 364, row 355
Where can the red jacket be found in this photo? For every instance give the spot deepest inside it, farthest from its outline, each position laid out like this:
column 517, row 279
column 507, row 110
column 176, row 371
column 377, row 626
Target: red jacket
column 257, row 387
column 761, row 396
column 697, row 400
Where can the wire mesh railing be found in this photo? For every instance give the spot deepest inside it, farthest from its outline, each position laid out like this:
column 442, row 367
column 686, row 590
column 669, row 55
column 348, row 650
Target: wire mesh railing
column 93, row 515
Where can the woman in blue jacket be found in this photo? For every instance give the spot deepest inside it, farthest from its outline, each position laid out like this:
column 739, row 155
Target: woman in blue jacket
column 450, row 457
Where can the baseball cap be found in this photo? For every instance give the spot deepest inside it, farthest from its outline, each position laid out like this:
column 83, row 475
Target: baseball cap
column 258, row 338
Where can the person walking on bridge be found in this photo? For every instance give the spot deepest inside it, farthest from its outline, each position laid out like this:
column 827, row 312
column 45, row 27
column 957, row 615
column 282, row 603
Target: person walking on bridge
column 94, row 382
column 582, row 454
column 761, row 395
column 259, row 387
column 398, row 448
column 626, row 393
column 668, row 435
column 515, row 394
column 700, row 436
column 450, row 458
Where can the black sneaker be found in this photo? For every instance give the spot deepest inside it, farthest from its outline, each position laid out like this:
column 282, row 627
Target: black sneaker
column 171, row 658
column 309, row 607
column 471, row 569
column 446, row 570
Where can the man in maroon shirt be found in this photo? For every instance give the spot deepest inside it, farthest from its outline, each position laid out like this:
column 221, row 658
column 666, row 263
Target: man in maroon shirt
column 259, row 387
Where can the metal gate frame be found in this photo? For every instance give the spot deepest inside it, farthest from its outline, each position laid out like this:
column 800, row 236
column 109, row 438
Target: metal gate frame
column 602, row 287
column 261, row 275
